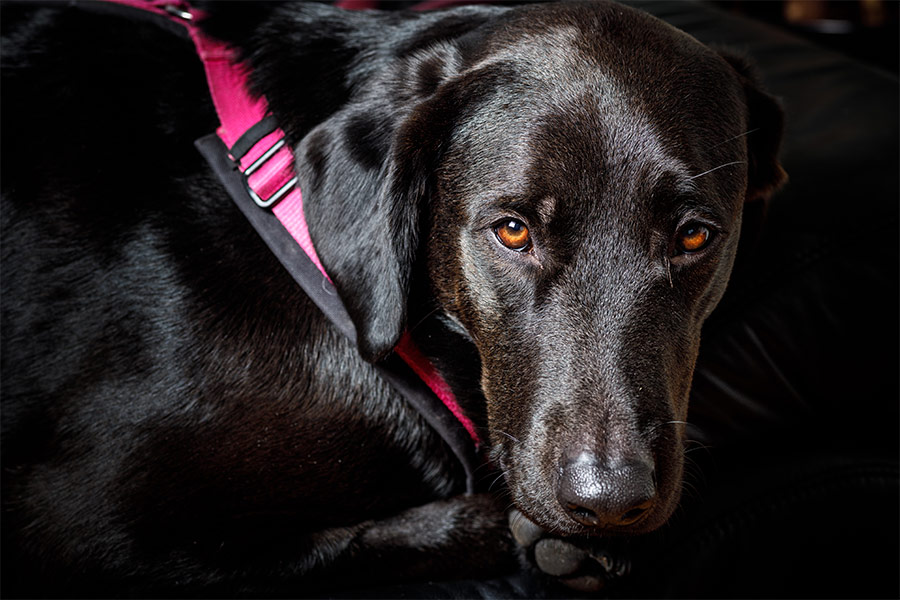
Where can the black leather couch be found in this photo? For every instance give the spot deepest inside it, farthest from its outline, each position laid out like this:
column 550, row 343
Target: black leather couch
column 796, row 391
column 793, row 483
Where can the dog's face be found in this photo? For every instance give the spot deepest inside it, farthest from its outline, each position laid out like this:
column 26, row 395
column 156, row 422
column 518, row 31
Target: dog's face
column 574, row 181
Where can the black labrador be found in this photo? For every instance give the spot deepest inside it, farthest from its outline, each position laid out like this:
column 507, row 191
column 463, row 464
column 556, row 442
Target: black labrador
column 548, row 197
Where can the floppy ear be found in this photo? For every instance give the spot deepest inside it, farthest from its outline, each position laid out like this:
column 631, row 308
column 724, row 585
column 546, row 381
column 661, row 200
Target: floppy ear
column 365, row 175
column 766, row 125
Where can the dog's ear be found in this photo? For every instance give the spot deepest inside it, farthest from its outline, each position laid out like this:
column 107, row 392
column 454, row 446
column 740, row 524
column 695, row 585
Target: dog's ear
column 363, row 96
column 765, row 126
column 365, row 176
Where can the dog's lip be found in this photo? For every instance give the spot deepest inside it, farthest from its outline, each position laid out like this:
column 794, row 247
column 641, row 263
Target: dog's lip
column 526, row 529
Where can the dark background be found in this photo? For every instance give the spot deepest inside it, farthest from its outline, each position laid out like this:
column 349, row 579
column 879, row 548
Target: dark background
column 866, row 30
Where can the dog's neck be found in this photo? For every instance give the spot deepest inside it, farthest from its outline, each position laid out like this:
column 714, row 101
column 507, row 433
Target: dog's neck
column 455, row 357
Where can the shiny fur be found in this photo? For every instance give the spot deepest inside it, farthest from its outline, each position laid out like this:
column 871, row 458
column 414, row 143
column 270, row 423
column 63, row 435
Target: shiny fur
column 178, row 416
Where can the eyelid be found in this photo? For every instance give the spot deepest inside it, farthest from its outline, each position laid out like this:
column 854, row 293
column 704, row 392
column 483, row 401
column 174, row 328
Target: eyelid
column 698, row 215
column 487, row 217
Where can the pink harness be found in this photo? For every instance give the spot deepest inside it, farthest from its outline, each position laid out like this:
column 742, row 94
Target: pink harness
column 250, row 139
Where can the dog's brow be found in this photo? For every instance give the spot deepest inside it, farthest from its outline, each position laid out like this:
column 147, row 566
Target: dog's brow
column 673, row 190
column 522, row 205
column 546, row 208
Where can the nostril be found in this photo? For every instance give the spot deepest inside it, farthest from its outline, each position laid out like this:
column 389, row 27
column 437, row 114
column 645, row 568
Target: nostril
column 633, row 515
column 583, row 515
column 590, row 518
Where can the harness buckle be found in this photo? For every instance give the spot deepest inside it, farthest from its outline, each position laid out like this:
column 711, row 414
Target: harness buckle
column 175, row 11
column 256, row 165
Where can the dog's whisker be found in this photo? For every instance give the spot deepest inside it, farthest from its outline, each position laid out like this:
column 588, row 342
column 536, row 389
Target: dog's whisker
column 736, row 162
column 512, row 437
column 483, row 471
column 740, row 135
column 482, row 466
column 696, row 442
column 433, row 311
column 656, row 427
column 499, row 477
column 697, row 446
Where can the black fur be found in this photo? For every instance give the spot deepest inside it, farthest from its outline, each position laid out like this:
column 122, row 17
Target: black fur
column 178, row 417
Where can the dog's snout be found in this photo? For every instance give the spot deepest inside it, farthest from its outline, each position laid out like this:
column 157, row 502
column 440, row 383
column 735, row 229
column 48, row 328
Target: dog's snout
column 596, row 494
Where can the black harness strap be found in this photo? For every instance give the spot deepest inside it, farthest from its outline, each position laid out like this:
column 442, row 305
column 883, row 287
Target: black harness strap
column 323, row 294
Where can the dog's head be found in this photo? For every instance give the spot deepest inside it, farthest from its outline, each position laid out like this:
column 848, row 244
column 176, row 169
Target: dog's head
column 572, row 179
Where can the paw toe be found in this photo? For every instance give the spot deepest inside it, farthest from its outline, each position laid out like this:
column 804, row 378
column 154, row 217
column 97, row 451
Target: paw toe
column 523, row 530
column 558, row 558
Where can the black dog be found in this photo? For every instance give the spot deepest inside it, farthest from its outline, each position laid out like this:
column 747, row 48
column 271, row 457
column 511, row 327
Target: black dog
column 548, row 197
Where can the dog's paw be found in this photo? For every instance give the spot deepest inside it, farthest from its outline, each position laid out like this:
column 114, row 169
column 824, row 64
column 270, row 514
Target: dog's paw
column 582, row 564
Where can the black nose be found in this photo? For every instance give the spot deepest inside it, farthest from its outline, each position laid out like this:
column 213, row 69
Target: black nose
column 600, row 495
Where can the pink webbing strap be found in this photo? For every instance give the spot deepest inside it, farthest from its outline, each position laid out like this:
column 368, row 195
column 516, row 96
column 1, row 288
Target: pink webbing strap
column 409, row 352
column 238, row 111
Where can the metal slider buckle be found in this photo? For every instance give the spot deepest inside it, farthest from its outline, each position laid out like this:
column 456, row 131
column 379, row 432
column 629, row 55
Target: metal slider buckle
column 175, row 11
column 259, row 162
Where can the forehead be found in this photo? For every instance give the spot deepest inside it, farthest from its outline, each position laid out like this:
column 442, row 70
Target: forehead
column 582, row 97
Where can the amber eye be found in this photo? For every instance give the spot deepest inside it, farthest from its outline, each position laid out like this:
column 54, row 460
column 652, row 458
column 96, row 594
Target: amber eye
column 692, row 238
column 513, row 234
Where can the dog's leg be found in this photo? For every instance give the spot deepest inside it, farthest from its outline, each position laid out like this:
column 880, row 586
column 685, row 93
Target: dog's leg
column 462, row 537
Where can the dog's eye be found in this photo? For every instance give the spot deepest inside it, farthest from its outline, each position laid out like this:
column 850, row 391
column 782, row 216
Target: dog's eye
column 693, row 237
column 513, row 234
